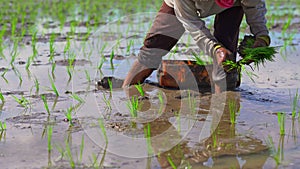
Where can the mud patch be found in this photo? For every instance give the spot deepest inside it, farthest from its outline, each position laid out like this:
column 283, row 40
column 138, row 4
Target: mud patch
column 76, row 62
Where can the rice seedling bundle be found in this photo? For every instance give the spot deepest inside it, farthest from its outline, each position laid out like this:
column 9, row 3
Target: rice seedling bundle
column 259, row 55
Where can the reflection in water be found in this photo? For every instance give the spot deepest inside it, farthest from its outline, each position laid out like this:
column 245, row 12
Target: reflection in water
column 2, row 135
column 277, row 154
column 294, row 131
column 224, row 148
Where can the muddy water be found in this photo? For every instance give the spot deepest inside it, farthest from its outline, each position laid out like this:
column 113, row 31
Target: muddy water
column 187, row 128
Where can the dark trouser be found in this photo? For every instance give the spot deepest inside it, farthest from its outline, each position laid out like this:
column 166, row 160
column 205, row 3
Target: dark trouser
column 167, row 30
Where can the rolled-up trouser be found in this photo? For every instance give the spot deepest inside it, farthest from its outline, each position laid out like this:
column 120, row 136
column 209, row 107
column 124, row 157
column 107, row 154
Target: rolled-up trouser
column 166, row 30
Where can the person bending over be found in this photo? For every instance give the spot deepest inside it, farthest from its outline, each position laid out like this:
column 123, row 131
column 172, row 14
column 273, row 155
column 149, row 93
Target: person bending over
column 177, row 16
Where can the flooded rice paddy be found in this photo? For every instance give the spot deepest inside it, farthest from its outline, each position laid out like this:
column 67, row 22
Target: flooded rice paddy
column 54, row 115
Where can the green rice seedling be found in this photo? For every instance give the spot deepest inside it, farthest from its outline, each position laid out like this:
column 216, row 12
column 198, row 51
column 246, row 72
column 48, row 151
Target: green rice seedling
column 22, row 101
column 103, row 48
column 288, row 40
column 192, row 102
column 1, row 51
column 29, row 74
column 73, row 28
column 140, row 89
column 61, row 150
column 189, row 40
column 68, row 45
column 14, row 22
column 78, row 98
column 281, row 122
column 147, row 133
column 62, row 18
column 233, row 65
column 37, row 85
column 3, row 75
column 102, row 58
column 214, row 139
column 2, row 135
column 81, row 148
column 49, row 134
column 28, row 63
column 70, row 67
column 199, row 61
column 178, row 119
column 101, row 62
column 68, row 115
column 258, row 55
column 18, row 74
column 53, row 66
column 88, row 31
column 53, row 85
column 94, row 160
column 103, row 129
column 133, row 106
column 171, row 162
column 188, row 166
column 45, row 104
column 33, row 44
column 51, row 47
column 110, row 85
column 54, row 103
column 286, row 25
column 87, row 76
column 294, row 132
column 161, row 101
column 1, row 106
column 2, row 32
column 160, row 98
column 2, row 126
column 107, row 102
column 2, row 97
column 71, row 59
column 277, row 155
column 271, row 22
column 176, row 48
column 112, row 55
column 295, row 105
column 14, row 53
column 23, row 29
column 232, row 111
column 129, row 46
column 250, row 74
column 69, row 154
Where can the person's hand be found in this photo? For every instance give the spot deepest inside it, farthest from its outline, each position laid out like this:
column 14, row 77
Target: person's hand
column 221, row 55
column 262, row 41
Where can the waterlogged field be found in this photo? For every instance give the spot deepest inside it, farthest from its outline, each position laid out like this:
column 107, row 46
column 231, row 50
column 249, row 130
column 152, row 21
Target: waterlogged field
column 54, row 115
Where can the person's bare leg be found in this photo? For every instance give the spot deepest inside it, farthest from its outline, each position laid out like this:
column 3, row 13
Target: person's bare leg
column 161, row 38
column 217, row 89
column 137, row 74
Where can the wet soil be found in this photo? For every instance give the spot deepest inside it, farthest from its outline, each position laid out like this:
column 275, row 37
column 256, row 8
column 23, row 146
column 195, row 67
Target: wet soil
column 185, row 128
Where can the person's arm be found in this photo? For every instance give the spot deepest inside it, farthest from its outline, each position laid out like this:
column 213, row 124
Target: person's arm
column 255, row 11
column 186, row 13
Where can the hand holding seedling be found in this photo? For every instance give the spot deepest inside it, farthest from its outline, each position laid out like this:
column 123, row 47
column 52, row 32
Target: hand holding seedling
column 222, row 54
column 253, row 50
column 262, row 41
